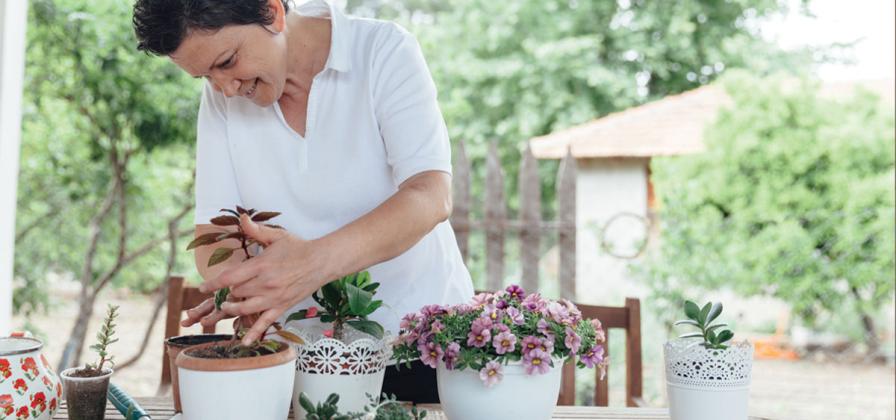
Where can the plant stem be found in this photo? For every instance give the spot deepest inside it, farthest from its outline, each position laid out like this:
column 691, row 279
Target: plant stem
column 338, row 329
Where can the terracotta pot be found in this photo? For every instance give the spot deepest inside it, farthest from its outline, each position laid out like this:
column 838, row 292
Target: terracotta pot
column 173, row 347
column 28, row 386
column 85, row 396
column 236, row 389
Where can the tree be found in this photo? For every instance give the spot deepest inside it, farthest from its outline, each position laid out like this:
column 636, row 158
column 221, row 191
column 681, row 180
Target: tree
column 794, row 198
column 508, row 71
column 107, row 136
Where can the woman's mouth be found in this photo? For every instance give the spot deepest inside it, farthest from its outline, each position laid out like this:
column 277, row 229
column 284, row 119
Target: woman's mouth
column 251, row 92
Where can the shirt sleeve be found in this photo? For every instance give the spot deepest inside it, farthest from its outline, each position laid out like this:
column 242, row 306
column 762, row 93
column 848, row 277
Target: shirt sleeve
column 216, row 186
column 406, row 108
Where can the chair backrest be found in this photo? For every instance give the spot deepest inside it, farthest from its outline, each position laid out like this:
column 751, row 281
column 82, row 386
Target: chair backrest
column 627, row 318
column 180, row 298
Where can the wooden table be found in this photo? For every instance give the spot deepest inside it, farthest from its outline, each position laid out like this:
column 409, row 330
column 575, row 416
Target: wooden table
column 162, row 408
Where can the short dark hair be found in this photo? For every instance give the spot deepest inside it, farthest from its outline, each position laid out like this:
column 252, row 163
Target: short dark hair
column 162, row 25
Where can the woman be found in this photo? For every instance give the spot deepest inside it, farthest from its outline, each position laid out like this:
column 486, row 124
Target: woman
column 333, row 121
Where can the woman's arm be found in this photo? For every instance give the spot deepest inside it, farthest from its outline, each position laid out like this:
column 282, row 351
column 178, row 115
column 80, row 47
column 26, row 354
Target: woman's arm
column 422, row 202
column 290, row 269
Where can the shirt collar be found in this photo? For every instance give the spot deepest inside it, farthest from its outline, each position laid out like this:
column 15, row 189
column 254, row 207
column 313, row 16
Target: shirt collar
column 340, row 58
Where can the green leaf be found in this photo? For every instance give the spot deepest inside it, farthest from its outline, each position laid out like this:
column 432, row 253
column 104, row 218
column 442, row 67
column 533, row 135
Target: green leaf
column 372, row 307
column 204, row 239
column 371, row 287
column 691, row 335
column 332, row 294
column 367, row 326
column 362, row 279
column 306, row 403
column 714, row 312
column 701, row 318
column 712, row 327
column 688, row 322
column 711, row 337
column 358, row 299
column 691, row 310
column 220, row 255
column 724, row 336
column 232, row 235
column 225, row 221
column 221, row 296
column 297, row 315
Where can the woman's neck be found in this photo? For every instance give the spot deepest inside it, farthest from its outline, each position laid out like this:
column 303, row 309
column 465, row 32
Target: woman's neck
column 308, row 46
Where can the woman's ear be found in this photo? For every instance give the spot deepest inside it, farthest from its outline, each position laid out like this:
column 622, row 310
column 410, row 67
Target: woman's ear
column 279, row 14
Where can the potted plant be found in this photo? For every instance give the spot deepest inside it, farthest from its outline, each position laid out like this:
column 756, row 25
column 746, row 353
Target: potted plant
column 707, row 379
column 28, row 386
column 228, row 380
column 345, row 351
column 501, row 356
column 386, row 409
column 85, row 387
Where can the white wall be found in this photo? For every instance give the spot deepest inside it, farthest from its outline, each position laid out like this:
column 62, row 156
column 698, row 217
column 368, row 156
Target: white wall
column 13, row 18
column 604, row 188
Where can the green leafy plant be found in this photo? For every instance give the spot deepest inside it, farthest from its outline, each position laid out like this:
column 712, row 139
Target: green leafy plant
column 231, row 217
column 103, row 339
column 702, row 319
column 386, row 409
column 346, row 301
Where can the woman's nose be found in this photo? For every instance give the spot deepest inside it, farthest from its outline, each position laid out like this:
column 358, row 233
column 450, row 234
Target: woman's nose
column 230, row 87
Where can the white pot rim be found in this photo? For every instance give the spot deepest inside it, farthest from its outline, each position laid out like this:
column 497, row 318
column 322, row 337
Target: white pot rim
column 107, row 372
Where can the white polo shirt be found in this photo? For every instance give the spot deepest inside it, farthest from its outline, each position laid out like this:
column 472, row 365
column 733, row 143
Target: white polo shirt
column 372, row 122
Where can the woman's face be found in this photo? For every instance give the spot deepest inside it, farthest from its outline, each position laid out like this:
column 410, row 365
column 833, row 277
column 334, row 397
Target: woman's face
column 238, row 60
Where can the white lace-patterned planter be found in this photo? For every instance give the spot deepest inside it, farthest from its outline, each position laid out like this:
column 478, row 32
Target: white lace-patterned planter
column 705, row 384
column 352, row 368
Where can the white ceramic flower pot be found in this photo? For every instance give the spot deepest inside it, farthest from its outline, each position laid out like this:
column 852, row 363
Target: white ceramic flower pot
column 325, row 365
column 518, row 396
column 236, row 389
column 705, row 384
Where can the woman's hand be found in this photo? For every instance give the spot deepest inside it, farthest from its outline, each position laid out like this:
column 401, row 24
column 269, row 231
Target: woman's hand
column 289, row 270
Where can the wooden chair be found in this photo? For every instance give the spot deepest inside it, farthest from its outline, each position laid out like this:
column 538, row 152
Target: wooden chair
column 628, row 318
column 180, row 299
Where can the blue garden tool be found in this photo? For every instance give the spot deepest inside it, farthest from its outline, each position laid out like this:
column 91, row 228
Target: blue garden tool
column 126, row 405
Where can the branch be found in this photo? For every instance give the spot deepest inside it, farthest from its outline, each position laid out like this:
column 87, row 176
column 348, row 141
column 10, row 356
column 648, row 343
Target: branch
column 38, row 221
column 143, row 250
column 94, row 229
column 162, row 291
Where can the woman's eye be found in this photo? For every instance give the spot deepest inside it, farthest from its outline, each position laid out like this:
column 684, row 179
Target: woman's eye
column 229, row 63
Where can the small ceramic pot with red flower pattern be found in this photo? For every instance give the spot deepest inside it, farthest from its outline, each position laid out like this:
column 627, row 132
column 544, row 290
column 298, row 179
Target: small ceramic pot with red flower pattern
column 29, row 389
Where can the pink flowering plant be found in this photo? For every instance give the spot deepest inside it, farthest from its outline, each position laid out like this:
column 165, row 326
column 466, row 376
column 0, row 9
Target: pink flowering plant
column 500, row 328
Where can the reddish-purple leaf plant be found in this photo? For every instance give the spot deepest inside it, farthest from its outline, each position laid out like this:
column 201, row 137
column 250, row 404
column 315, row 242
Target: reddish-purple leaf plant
column 227, row 219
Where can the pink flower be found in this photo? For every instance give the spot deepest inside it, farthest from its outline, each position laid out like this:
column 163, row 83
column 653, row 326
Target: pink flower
column 537, row 361
column 515, row 292
column 516, row 317
column 436, row 326
column 533, row 303
column 481, row 323
column 430, row 353
column 409, row 321
column 451, row 353
column 311, row 313
column 504, row 342
column 593, row 357
column 575, row 315
column 479, row 338
column 328, row 333
column 557, row 312
column 501, row 328
column 491, row 312
column 530, row 343
column 481, row 299
column 572, row 341
column 547, row 345
column 545, row 328
column 492, row 373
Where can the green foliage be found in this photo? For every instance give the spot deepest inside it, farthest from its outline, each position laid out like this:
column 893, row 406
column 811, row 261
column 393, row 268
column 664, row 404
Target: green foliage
column 794, row 198
column 346, row 301
column 702, row 319
column 88, row 90
column 387, row 409
column 104, row 338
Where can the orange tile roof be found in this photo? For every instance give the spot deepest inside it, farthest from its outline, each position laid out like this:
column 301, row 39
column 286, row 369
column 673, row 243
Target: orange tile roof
column 666, row 127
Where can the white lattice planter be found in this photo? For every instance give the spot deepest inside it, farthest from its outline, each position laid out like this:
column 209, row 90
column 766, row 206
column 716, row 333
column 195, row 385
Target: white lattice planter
column 352, row 368
column 704, row 384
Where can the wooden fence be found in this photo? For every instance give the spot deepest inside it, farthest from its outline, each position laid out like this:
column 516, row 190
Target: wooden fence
column 530, row 227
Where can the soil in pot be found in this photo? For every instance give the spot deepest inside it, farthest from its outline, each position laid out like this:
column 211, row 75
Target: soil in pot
column 85, row 392
column 227, row 351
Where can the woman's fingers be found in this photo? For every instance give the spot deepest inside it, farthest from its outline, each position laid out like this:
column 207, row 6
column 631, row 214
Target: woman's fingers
column 264, row 322
column 232, row 277
column 197, row 313
column 246, row 307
